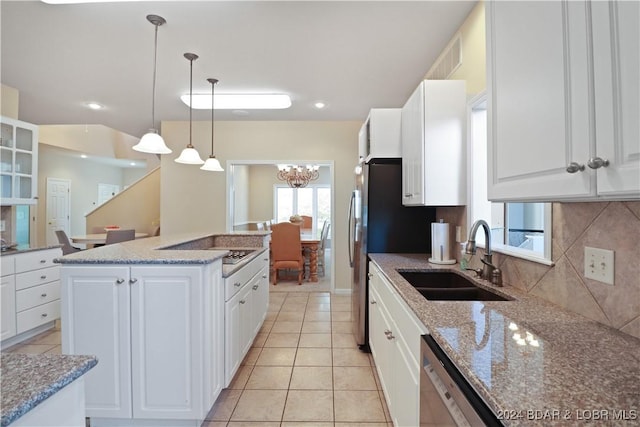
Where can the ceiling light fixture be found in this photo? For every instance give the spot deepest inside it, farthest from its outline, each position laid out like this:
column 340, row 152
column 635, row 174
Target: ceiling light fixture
column 239, row 101
column 319, row 105
column 212, row 164
column 152, row 142
column 94, row 105
column 298, row 176
column 190, row 155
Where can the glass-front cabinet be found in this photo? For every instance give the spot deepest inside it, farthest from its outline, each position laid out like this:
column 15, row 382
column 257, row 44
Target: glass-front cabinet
column 18, row 162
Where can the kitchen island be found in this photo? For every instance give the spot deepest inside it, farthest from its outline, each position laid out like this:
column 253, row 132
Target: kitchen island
column 43, row 389
column 529, row 360
column 157, row 312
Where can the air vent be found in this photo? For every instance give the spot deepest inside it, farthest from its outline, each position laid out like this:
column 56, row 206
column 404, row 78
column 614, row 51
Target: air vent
column 448, row 61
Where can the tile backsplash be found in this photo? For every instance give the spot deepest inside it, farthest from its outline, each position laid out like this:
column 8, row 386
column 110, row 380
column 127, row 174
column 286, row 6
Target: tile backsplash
column 605, row 225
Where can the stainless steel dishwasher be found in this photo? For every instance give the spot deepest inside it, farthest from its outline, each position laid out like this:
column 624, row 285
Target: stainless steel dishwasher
column 446, row 398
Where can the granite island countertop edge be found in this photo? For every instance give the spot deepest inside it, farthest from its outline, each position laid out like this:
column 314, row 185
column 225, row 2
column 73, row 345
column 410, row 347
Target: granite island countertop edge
column 18, row 399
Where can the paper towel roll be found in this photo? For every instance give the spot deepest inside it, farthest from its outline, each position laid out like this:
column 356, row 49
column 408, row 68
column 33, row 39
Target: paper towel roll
column 440, row 251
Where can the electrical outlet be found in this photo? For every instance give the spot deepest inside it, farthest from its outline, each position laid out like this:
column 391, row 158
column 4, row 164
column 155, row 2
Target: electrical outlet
column 599, row 265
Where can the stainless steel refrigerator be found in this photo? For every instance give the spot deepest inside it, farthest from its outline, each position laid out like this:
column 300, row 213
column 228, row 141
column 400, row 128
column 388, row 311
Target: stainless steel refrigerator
column 379, row 223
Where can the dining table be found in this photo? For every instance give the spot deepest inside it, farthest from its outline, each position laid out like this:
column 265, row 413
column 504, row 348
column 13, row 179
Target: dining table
column 98, row 238
column 310, row 241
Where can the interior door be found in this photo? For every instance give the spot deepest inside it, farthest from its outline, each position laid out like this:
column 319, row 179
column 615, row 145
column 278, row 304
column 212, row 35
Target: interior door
column 58, row 208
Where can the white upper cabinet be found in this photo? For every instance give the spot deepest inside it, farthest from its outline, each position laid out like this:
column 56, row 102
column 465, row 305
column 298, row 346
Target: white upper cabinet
column 19, row 162
column 563, row 100
column 379, row 136
column 433, row 126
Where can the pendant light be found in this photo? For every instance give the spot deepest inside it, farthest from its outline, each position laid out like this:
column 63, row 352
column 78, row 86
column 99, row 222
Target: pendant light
column 190, row 155
column 212, row 164
column 152, row 142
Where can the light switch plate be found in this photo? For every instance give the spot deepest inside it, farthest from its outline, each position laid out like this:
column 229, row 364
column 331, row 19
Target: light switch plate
column 599, row 265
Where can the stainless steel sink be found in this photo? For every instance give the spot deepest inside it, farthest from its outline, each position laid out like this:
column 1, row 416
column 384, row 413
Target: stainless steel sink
column 448, row 286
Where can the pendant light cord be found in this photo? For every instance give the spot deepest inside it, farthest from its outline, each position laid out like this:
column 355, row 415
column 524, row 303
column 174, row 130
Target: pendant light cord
column 190, row 102
column 153, row 92
column 213, row 89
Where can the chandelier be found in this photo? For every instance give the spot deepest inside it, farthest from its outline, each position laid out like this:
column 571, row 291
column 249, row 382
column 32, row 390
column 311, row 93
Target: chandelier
column 298, row 176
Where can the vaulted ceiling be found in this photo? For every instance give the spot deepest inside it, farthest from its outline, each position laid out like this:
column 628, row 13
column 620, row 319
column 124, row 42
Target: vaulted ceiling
column 353, row 56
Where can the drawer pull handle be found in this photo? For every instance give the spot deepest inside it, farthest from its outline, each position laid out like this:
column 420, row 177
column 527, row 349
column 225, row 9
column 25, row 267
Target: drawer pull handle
column 389, row 334
column 42, row 261
column 242, row 301
column 132, row 281
column 43, row 295
column 266, row 259
column 43, row 277
column 374, row 302
column 264, row 276
column 237, row 284
column 119, row 281
column 255, row 287
column 43, row 315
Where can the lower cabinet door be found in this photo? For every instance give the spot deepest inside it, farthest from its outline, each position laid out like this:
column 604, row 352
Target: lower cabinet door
column 96, row 320
column 238, row 328
column 166, row 345
column 8, row 313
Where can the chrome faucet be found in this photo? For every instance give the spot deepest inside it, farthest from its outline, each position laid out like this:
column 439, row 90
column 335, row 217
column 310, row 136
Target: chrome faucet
column 489, row 271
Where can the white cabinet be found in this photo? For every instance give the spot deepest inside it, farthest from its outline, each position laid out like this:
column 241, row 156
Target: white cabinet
column 394, row 338
column 18, row 162
column 8, row 298
column 433, row 128
column 379, row 136
column 246, row 307
column 563, row 92
column 30, row 294
column 158, row 334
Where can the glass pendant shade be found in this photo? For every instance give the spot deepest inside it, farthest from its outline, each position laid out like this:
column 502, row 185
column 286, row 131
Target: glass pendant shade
column 212, row 164
column 152, row 142
column 190, row 156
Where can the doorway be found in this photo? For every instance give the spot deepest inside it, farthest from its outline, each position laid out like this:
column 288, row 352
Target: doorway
column 58, row 208
column 254, row 194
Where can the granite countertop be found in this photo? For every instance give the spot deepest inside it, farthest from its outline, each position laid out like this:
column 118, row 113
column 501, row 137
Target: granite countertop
column 570, row 369
column 27, row 248
column 29, row 379
column 191, row 248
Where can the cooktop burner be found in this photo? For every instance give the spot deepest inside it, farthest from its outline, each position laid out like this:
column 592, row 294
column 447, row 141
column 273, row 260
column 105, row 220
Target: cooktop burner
column 235, row 256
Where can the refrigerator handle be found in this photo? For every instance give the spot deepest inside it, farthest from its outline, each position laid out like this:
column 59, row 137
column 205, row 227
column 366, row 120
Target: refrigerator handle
column 351, row 228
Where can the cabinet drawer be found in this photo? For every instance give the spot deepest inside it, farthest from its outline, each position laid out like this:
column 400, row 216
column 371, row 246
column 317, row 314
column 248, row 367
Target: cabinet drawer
column 37, row 316
column 36, row 260
column 8, row 265
column 234, row 283
column 37, row 295
column 37, row 277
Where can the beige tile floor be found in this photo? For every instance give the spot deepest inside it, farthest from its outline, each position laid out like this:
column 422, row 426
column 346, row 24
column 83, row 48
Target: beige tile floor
column 304, row 369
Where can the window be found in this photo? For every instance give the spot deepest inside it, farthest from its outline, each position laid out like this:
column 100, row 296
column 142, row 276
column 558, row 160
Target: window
column 517, row 229
column 314, row 201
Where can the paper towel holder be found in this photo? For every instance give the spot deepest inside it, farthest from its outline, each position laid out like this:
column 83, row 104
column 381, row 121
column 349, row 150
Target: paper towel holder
column 440, row 247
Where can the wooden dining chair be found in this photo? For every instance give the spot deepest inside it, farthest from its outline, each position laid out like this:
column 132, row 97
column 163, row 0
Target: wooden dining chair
column 117, row 236
column 286, row 250
column 63, row 239
column 307, row 221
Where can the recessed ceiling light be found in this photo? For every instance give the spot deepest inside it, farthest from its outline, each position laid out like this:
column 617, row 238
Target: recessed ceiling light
column 319, row 105
column 132, row 164
column 84, row 156
column 95, row 106
column 239, row 101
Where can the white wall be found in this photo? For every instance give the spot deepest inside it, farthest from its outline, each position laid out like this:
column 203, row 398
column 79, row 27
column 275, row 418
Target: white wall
column 84, row 176
column 195, row 200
